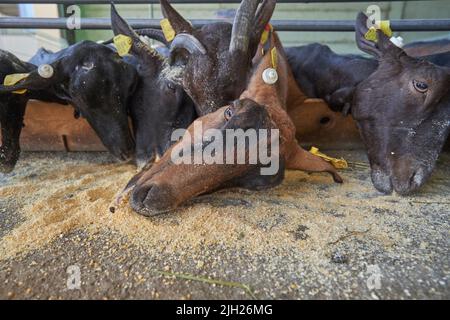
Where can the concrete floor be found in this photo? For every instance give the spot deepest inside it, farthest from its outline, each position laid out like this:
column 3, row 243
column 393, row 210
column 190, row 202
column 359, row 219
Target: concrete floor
column 306, row 239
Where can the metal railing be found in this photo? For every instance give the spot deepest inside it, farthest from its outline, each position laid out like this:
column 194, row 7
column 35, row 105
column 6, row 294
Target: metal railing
column 176, row 1
column 281, row 25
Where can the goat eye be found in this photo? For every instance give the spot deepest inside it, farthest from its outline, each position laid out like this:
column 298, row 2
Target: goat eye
column 228, row 113
column 420, row 86
column 171, row 85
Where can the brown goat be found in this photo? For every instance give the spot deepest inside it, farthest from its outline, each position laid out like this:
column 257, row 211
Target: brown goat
column 166, row 185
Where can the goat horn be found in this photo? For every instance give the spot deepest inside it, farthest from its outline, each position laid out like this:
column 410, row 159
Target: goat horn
column 240, row 34
column 154, row 34
column 188, row 42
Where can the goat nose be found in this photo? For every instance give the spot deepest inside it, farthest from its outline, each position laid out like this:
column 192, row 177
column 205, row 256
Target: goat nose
column 8, row 159
column 404, row 185
column 123, row 151
column 137, row 198
column 122, row 155
column 381, row 180
column 152, row 200
column 6, row 167
column 408, row 174
column 126, row 156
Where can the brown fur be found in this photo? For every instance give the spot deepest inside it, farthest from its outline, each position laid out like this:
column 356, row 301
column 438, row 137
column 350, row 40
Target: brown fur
column 165, row 185
column 278, row 98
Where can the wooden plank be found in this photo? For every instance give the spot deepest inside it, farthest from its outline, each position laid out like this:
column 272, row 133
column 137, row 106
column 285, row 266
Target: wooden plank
column 52, row 127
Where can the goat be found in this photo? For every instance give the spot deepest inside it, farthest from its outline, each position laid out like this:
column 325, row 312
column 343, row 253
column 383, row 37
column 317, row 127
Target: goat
column 167, row 184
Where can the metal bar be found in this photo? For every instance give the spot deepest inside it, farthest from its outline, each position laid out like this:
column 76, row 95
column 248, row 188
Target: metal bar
column 280, row 25
column 176, row 1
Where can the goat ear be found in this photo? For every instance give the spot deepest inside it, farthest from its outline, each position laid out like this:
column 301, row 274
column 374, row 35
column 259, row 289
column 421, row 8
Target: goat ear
column 37, row 79
column 120, row 26
column 178, row 23
column 361, row 28
column 378, row 49
column 262, row 18
column 138, row 47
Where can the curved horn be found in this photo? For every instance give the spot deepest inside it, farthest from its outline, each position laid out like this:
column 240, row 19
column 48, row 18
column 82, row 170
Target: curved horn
column 188, row 42
column 154, row 34
column 240, row 34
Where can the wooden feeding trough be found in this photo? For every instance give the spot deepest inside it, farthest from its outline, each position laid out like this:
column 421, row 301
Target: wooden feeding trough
column 52, row 127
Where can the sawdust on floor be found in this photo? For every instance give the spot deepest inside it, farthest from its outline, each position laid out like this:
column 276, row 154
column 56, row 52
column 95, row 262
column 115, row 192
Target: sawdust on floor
column 60, row 195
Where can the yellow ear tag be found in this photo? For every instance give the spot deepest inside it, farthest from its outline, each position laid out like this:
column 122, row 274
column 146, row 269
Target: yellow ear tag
column 274, row 57
column 265, row 34
column 123, row 44
column 167, row 29
column 264, row 37
column 384, row 26
column 337, row 163
column 12, row 79
column 371, row 34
